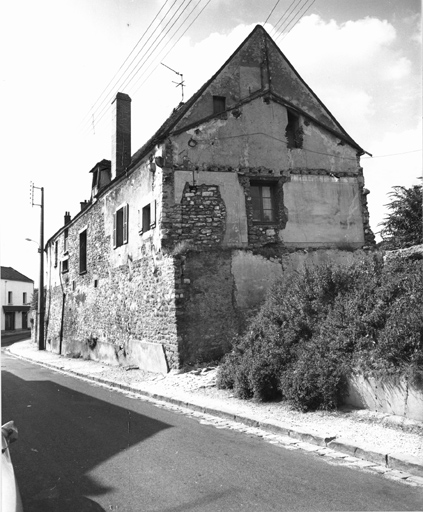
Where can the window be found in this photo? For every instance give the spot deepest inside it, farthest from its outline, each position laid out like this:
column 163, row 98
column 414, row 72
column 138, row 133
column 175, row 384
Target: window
column 65, row 241
column 24, row 298
column 56, row 253
column 294, row 132
column 83, row 252
column 65, row 266
column 148, row 217
column 263, row 201
column 120, row 226
column 219, row 104
column 10, row 297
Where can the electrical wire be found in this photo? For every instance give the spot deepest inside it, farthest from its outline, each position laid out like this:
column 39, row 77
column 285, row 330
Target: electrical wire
column 161, row 56
column 284, row 15
column 142, row 63
column 121, row 85
column 274, row 7
column 127, row 58
column 103, row 113
column 297, row 21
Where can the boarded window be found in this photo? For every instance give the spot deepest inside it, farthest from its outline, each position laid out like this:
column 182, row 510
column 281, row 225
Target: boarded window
column 120, row 226
column 219, row 104
column 263, row 202
column 83, row 252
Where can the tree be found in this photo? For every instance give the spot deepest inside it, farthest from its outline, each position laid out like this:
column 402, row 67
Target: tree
column 403, row 225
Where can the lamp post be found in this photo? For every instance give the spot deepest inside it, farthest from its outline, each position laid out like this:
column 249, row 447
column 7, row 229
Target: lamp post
column 41, row 280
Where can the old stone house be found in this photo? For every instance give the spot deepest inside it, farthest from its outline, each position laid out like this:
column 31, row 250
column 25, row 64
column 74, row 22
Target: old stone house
column 249, row 179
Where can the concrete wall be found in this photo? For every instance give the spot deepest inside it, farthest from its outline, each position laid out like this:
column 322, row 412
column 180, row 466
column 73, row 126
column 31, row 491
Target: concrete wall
column 389, row 395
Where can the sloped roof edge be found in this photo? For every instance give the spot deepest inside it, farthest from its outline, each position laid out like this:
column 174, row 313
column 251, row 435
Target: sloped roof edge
column 178, row 113
column 10, row 274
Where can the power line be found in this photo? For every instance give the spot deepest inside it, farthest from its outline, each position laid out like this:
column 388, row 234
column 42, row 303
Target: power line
column 131, row 52
column 297, row 21
column 141, row 64
column 162, row 57
column 146, row 57
column 395, row 154
column 286, row 13
column 274, row 7
column 306, row 149
column 105, row 104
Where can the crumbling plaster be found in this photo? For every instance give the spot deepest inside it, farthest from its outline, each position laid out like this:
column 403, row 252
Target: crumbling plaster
column 254, row 134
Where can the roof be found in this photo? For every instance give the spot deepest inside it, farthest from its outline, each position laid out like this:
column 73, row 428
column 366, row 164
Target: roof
column 10, row 274
column 167, row 127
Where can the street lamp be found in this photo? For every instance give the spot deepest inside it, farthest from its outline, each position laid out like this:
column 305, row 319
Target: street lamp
column 41, row 282
column 30, row 240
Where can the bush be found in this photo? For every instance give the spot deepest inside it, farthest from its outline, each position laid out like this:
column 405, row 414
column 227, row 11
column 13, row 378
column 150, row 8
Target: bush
column 317, row 326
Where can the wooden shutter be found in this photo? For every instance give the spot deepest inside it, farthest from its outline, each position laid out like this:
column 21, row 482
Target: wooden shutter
column 152, row 214
column 114, row 230
column 125, row 223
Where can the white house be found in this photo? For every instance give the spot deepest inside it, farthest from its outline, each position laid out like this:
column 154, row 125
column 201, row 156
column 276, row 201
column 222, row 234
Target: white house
column 16, row 295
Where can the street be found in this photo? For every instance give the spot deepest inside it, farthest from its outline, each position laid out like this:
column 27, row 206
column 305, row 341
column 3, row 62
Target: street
column 84, row 448
column 9, row 339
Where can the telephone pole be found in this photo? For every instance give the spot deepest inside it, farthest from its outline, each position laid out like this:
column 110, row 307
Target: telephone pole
column 41, row 279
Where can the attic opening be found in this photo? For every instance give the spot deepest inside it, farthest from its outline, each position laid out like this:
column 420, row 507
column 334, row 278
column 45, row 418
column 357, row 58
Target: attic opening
column 294, row 131
column 219, row 104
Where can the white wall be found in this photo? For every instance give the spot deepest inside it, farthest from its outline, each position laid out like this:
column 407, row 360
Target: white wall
column 17, row 288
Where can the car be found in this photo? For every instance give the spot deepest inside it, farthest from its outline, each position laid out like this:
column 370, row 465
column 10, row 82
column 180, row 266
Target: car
column 10, row 496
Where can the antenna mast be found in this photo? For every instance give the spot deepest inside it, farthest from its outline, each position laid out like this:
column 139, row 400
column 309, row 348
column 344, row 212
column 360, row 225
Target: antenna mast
column 181, row 83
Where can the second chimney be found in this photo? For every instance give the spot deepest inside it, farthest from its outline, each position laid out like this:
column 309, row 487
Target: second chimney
column 121, row 134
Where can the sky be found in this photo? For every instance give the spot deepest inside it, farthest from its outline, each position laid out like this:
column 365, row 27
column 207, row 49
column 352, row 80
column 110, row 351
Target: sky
column 63, row 61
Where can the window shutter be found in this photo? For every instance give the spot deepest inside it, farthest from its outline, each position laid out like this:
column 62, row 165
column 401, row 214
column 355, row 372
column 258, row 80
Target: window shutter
column 153, row 214
column 125, row 223
column 114, row 230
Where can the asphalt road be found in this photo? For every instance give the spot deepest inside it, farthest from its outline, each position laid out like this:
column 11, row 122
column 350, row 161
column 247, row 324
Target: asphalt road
column 85, row 448
column 9, row 339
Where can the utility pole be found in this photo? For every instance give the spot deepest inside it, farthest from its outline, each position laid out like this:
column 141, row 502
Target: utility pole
column 41, row 280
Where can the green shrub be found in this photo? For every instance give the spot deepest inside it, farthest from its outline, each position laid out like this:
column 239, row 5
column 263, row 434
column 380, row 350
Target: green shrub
column 318, row 325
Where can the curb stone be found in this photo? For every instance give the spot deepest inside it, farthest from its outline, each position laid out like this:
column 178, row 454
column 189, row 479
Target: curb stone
column 394, row 463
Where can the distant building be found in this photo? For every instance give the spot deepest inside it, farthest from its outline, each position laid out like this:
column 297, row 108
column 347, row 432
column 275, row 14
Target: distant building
column 16, row 295
column 247, row 181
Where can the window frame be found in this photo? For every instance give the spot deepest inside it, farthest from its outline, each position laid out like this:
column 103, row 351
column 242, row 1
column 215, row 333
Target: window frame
column 217, row 102
column 24, row 298
column 65, row 241
column 10, row 297
column 147, row 223
column 62, row 265
column 83, row 246
column 272, row 185
column 120, row 233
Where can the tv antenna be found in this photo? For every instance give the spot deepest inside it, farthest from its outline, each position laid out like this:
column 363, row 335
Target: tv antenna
column 181, row 83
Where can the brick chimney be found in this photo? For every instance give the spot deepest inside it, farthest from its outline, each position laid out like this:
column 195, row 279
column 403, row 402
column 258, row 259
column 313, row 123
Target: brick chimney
column 121, row 134
column 67, row 218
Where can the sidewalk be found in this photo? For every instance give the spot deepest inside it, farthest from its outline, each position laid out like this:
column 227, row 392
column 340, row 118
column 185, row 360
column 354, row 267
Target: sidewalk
column 388, row 443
